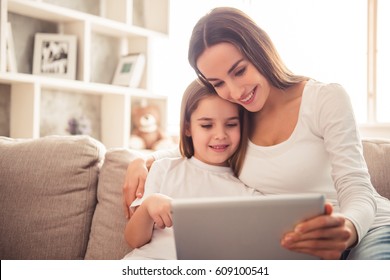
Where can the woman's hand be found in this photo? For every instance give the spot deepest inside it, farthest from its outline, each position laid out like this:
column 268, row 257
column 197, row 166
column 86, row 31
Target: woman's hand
column 134, row 184
column 326, row 236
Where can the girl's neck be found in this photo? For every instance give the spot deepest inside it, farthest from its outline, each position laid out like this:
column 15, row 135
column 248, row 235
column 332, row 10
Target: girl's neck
column 224, row 164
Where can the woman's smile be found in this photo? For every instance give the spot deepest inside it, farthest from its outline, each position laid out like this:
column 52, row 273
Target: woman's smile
column 247, row 99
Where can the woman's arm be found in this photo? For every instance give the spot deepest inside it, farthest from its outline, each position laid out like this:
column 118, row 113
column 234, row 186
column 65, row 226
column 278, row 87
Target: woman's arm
column 137, row 171
column 337, row 125
column 156, row 209
column 134, row 184
column 327, row 236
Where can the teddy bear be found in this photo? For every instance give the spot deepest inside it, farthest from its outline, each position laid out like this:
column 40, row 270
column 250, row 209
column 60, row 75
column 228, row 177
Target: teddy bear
column 146, row 132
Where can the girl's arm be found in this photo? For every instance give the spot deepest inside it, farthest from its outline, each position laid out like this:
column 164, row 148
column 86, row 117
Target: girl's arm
column 155, row 209
column 136, row 174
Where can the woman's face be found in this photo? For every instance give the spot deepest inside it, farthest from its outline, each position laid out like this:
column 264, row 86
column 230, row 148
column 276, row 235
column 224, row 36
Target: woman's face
column 233, row 76
column 215, row 130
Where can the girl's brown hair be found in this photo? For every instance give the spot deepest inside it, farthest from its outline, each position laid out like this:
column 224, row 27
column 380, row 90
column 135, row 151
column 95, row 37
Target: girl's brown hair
column 194, row 93
column 231, row 25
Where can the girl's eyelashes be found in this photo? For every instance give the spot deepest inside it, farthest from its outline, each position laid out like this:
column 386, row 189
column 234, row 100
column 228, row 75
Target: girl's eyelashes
column 229, row 125
column 206, row 126
column 232, row 124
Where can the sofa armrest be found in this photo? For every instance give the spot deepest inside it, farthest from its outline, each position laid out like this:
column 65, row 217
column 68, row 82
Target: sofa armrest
column 377, row 156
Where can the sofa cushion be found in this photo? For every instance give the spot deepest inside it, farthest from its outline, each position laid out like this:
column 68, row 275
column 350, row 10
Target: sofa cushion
column 48, row 196
column 106, row 241
column 377, row 156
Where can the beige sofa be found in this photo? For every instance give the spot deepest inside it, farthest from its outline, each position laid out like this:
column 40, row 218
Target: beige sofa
column 61, row 196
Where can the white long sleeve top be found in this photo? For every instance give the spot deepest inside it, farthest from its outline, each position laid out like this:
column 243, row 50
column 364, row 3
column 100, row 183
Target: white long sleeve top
column 324, row 155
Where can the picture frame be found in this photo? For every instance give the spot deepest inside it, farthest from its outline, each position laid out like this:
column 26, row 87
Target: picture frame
column 129, row 70
column 11, row 58
column 55, row 55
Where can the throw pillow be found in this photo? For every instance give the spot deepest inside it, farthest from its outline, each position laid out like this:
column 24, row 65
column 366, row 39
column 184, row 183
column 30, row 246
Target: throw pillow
column 47, row 196
column 107, row 241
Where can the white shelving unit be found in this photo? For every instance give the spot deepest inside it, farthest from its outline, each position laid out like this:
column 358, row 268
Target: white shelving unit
column 116, row 19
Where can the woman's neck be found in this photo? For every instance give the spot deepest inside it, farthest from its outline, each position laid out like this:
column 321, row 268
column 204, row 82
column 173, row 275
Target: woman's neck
column 276, row 121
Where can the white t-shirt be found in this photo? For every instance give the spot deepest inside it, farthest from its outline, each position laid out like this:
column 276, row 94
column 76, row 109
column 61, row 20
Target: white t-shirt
column 323, row 155
column 184, row 178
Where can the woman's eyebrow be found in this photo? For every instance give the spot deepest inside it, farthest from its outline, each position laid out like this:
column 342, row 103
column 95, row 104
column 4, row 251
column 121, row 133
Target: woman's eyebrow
column 234, row 66
column 229, row 71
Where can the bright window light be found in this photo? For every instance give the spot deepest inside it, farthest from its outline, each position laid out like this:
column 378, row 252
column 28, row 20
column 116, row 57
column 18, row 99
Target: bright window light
column 383, row 61
column 323, row 39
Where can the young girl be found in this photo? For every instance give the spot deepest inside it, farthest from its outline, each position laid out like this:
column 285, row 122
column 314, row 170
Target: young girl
column 212, row 153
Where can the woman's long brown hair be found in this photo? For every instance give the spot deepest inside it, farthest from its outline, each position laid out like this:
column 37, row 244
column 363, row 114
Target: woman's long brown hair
column 230, row 25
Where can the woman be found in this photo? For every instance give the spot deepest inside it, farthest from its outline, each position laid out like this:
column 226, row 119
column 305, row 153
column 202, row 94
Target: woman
column 303, row 138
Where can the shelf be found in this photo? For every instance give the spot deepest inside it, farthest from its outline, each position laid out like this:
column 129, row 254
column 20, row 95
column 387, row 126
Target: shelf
column 75, row 86
column 44, row 11
column 54, row 13
column 103, row 36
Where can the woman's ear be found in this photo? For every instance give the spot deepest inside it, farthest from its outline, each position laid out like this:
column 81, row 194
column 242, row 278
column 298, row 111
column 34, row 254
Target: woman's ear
column 188, row 131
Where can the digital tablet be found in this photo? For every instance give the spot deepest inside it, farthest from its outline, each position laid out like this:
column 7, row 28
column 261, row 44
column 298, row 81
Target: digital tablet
column 241, row 228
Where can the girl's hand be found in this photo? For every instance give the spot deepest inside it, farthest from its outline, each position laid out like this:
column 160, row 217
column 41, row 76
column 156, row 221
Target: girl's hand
column 134, row 184
column 159, row 209
column 325, row 236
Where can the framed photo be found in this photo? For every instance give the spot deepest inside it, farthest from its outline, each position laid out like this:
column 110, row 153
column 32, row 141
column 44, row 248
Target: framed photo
column 55, row 55
column 129, row 70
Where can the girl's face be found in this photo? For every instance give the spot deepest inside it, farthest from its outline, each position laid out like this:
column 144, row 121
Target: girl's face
column 233, row 76
column 215, row 130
